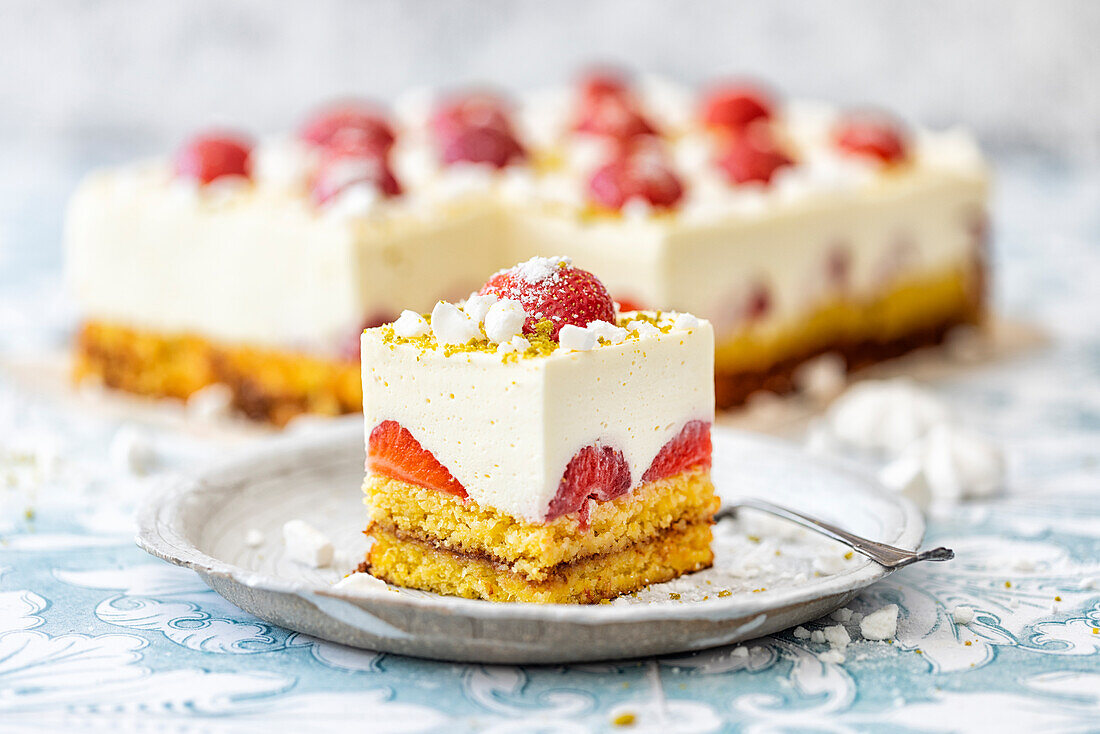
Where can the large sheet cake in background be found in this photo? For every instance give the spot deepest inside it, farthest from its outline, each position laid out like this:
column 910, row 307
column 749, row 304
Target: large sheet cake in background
column 795, row 229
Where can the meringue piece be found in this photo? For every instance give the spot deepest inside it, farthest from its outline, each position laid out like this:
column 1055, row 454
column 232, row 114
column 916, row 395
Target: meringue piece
column 822, row 378
column 131, row 451
column 576, row 338
column 254, row 538
column 844, row 614
column 831, row 656
column 210, row 403
column 283, row 163
column 504, row 320
column 451, row 325
column 637, row 209
column 306, row 544
column 355, row 200
column 907, row 477
column 410, row 325
column 686, row 322
column 604, row 330
column 801, row 633
column 357, row 581
column 962, row 615
column 960, row 464
column 477, row 306
column 881, row 624
column 817, row 636
column 885, row 415
column 837, row 636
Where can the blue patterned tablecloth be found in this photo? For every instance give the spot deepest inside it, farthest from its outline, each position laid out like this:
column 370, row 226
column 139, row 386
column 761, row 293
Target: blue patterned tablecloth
column 94, row 634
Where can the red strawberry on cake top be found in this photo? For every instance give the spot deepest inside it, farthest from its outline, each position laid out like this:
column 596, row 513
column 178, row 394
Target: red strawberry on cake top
column 550, row 288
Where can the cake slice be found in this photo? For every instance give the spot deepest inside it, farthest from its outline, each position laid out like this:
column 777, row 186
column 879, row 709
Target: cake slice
column 531, row 444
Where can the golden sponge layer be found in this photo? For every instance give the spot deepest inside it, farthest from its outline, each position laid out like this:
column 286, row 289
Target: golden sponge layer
column 267, row 384
column 533, row 549
column 683, row 548
column 913, row 306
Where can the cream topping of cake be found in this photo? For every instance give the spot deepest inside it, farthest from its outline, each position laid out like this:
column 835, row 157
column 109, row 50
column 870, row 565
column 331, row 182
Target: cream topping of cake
column 506, row 429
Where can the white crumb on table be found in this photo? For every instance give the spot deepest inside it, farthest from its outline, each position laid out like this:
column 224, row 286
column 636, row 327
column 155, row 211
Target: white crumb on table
column 837, row 636
column 844, row 614
column 817, row 636
column 306, row 544
column 210, row 403
column 881, row 624
column 131, row 451
column 801, row 633
column 831, row 655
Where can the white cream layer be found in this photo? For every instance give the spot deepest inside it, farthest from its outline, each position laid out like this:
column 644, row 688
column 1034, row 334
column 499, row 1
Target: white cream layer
column 507, row 429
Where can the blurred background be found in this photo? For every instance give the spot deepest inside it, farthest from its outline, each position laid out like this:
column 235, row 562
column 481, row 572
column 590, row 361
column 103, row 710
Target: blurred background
column 95, row 83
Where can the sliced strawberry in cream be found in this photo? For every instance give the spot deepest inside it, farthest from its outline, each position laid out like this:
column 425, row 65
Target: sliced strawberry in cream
column 211, row 156
column 595, row 472
column 392, row 451
column 690, row 448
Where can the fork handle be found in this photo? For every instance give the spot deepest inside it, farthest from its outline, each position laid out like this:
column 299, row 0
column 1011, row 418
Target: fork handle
column 885, row 555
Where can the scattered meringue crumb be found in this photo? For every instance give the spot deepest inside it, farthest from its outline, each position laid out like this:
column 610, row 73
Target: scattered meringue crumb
column 801, row 633
column 831, row 655
column 844, row 614
column 360, row 582
column 740, row 652
column 1089, row 584
column 254, row 538
column 817, row 636
column 686, row 322
column 837, row 636
column 822, row 378
column 829, row 563
column 966, row 344
column 881, row 624
column 210, row 403
column 885, row 415
column 306, row 544
column 131, row 451
column 607, row 331
column 907, row 477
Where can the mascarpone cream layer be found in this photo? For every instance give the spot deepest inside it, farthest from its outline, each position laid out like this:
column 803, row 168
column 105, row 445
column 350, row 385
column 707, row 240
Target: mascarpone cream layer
column 507, row 429
column 260, row 264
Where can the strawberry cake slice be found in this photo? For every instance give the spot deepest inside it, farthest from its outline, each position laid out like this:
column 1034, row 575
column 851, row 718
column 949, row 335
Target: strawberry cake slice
column 533, row 444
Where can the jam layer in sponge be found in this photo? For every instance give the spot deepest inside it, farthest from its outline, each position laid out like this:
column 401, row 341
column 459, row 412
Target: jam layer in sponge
column 534, row 550
column 680, row 549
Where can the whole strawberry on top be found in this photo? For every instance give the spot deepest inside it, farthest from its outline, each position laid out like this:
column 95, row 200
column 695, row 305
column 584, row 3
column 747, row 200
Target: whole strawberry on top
column 553, row 289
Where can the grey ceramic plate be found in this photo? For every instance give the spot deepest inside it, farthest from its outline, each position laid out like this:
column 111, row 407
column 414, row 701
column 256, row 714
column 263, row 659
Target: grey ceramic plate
column 768, row 575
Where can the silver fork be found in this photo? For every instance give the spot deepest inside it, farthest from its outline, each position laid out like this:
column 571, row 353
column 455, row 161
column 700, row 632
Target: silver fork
column 886, row 555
